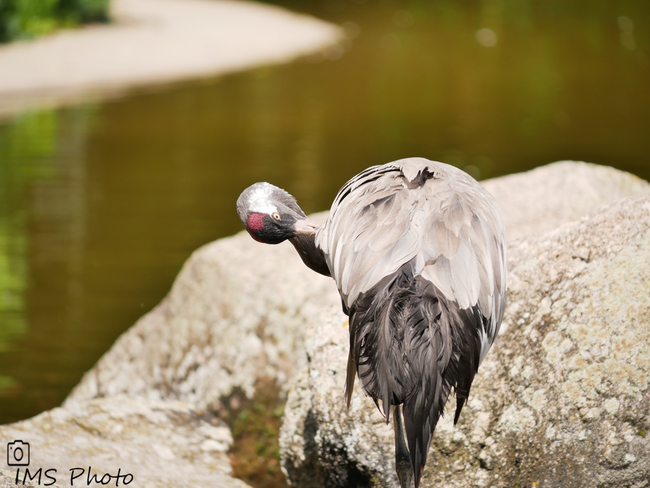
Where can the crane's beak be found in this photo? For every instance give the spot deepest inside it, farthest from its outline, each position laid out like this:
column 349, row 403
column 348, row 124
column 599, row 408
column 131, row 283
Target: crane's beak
column 305, row 227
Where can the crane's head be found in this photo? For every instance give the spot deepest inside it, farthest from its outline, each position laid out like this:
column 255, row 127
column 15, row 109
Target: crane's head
column 271, row 215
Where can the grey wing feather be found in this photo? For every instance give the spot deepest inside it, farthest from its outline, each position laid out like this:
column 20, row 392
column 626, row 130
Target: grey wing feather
column 450, row 225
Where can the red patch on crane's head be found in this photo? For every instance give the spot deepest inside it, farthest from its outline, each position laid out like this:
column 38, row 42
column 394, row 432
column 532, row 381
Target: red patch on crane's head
column 255, row 222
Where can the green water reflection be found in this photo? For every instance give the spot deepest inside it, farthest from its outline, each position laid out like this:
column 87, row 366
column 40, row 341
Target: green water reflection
column 27, row 146
column 100, row 205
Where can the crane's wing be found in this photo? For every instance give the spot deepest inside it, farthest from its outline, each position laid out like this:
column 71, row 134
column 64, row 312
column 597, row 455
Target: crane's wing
column 410, row 209
column 418, row 252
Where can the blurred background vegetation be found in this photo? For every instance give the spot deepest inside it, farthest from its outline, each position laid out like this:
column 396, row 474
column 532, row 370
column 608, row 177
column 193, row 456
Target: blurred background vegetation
column 26, row 19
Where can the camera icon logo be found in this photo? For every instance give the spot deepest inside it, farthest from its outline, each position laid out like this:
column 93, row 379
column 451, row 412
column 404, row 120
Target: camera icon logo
column 18, row 453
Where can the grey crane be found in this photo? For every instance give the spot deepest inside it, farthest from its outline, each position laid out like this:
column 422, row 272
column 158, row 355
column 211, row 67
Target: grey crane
column 417, row 249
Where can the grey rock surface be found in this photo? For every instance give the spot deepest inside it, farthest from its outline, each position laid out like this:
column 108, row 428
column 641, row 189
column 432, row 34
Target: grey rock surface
column 8, row 480
column 237, row 312
column 146, row 443
column 561, row 400
column 541, row 200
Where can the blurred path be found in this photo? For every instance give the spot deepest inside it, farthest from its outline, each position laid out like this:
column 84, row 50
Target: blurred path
column 152, row 42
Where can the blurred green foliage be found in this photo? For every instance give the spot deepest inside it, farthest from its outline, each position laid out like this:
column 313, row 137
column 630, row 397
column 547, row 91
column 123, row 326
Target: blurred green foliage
column 25, row 19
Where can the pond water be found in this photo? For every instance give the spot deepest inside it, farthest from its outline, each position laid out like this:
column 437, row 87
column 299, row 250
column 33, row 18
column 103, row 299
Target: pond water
column 100, row 204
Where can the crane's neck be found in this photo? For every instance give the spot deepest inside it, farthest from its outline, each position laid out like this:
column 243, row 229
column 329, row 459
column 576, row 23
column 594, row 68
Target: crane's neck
column 310, row 253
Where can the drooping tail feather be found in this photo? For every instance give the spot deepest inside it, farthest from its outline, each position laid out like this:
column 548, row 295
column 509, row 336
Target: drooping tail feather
column 410, row 345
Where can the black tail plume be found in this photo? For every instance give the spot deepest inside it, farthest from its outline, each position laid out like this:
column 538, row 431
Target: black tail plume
column 411, row 346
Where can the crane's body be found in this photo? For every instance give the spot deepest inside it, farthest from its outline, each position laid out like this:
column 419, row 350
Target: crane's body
column 418, row 252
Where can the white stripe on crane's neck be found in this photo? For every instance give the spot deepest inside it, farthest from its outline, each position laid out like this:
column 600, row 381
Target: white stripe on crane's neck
column 260, row 199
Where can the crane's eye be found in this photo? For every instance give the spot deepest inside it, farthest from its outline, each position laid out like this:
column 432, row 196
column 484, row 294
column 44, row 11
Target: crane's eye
column 276, row 215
